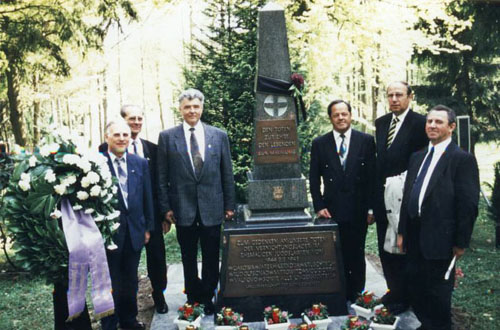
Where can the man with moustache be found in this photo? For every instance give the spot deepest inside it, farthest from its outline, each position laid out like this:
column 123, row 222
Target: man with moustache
column 136, row 222
column 196, row 193
column 155, row 249
column 344, row 159
column 440, row 205
column 398, row 135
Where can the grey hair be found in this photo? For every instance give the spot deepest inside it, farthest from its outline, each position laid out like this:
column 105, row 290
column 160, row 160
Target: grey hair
column 124, row 110
column 452, row 117
column 190, row 94
column 116, row 121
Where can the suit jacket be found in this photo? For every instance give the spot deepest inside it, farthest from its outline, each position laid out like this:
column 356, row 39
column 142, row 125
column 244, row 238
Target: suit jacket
column 181, row 191
column 450, row 203
column 150, row 153
column 411, row 137
column 347, row 195
column 138, row 217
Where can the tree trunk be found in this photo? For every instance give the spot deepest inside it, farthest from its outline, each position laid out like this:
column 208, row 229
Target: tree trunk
column 16, row 114
column 36, row 111
column 158, row 95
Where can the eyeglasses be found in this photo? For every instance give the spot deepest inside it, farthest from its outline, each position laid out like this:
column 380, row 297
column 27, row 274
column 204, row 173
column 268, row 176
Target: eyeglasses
column 396, row 95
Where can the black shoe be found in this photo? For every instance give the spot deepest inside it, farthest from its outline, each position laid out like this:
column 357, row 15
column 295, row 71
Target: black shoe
column 134, row 326
column 161, row 308
column 209, row 308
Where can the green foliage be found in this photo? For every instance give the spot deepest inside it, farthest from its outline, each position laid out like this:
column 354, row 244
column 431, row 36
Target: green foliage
column 468, row 80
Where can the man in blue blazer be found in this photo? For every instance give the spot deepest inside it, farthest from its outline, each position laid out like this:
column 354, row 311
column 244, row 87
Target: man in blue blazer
column 196, row 193
column 136, row 222
column 440, row 206
column 345, row 160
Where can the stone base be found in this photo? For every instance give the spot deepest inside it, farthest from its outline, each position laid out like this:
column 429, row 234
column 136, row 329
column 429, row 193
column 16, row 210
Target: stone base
column 250, row 217
column 292, row 267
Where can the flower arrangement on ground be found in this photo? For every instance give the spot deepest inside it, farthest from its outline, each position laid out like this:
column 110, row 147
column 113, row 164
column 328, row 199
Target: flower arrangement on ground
column 317, row 314
column 383, row 319
column 303, row 326
column 190, row 312
column 228, row 317
column 38, row 185
column 273, row 315
column 354, row 323
column 367, row 300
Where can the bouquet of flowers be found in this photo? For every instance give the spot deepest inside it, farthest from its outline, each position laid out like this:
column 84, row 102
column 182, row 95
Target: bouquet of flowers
column 229, row 317
column 366, row 300
column 383, row 316
column 302, row 326
column 274, row 315
column 32, row 203
column 190, row 312
column 317, row 312
column 354, row 323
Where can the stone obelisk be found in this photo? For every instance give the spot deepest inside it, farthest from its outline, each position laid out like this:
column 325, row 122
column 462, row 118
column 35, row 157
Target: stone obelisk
column 276, row 188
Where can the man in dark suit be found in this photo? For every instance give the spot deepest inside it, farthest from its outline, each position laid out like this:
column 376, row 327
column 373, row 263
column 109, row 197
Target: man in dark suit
column 345, row 159
column 398, row 135
column 155, row 249
column 136, row 223
column 440, row 205
column 196, row 193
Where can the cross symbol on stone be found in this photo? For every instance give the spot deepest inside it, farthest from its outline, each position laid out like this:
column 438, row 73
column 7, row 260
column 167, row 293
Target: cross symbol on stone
column 275, row 106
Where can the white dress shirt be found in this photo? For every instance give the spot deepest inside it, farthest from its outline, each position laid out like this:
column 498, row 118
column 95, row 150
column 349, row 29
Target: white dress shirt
column 140, row 149
column 439, row 149
column 401, row 118
column 199, row 133
column 338, row 142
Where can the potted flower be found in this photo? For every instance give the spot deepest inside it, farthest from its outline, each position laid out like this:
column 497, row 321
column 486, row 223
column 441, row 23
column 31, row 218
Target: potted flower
column 303, row 326
column 228, row 319
column 365, row 305
column 317, row 314
column 189, row 314
column 354, row 323
column 275, row 318
column 384, row 319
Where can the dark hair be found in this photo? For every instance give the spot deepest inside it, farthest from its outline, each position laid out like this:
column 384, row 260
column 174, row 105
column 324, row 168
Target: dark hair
column 452, row 116
column 404, row 83
column 124, row 110
column 329, row 108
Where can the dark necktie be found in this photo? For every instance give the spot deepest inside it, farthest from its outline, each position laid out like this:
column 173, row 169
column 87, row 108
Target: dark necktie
column 392, row 131
column 342, row 151
column 122, row 178
column 417, row 186
column 195, row 154
column 134, row 143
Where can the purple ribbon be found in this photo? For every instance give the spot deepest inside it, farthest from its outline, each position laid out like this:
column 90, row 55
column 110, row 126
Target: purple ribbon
column 86, row 253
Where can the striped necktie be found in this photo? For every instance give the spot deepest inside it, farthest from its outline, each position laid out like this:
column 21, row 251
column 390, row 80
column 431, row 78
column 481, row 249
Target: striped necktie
column 342, row 151
column 195, row 154
column 392, row 131
column 122, row 178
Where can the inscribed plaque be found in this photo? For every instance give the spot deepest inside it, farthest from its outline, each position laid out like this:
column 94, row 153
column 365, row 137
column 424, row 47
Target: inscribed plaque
column 276, row 142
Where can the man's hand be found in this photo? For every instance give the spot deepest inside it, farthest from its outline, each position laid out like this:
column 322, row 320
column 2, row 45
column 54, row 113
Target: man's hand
column 400, row 243
column 169, row 216
column 323, row 214
column 229, row 214
column 458, row 252
column 166, row 226
column 370, row 219
column 147, row 235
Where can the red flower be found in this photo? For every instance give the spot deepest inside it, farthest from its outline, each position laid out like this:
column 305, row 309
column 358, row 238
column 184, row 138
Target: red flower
column 297, row 80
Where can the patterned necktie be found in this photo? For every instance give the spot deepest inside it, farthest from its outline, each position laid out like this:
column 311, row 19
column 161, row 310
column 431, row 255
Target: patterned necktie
column 342, row 151
column 417, row 186
column 122, row 178
column 195, row 154
column 392, row 131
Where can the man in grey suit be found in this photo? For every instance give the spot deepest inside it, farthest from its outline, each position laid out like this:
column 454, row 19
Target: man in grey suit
column 196, row 193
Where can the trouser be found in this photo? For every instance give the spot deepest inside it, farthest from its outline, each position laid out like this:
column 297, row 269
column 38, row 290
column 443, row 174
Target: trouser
column 60, row 301
column 352, row 241
column 199, row 290
column 430, row 293
column 157, row 264
column 123, row 264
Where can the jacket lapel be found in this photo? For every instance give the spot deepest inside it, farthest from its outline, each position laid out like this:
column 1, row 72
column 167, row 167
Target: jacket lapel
column 438, row 170
column 180, row 143
column 404, row 130
column 332, row 157
column 352, row 155
column 209, row 141
column 145, row 149
column 132, row 181
column 384, row 128
column 112, row 169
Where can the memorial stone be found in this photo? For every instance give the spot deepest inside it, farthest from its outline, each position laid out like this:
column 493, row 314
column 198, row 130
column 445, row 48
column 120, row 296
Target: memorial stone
column 274, row 254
